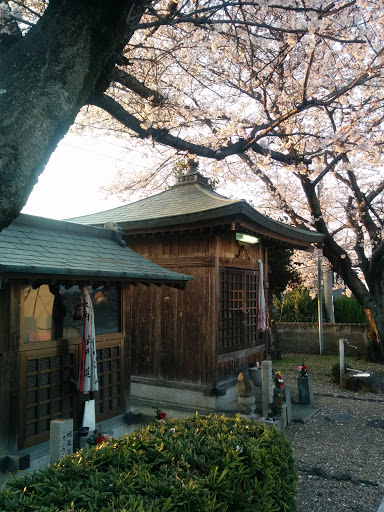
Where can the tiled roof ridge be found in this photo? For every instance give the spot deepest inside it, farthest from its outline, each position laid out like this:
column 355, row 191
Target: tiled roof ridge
column 220, row 197
column 36, row 221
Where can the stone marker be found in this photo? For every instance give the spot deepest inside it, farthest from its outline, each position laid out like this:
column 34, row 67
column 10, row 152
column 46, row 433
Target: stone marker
column 287, row 399
column 61, row 439
column 305, row 387
column 255, row 375
column 267, row 387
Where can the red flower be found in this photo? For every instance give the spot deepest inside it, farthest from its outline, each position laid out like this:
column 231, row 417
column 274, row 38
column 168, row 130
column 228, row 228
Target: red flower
column 303, row 367
column 162, row 415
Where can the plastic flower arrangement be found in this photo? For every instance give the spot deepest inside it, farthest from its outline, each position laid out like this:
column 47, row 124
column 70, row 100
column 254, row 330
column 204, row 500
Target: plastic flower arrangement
column 277, row 403
column 98, row 438
column 160, row 415
column 303, row 370
column 278, row 380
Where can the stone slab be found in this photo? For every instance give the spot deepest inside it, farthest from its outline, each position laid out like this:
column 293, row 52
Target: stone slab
column 357, row 381
column 302, row 413
column 381, row 507
column 339, row 417
column 378, row 423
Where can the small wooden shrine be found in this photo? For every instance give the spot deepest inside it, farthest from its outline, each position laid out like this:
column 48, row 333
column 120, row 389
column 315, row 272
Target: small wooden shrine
column 187, row 348
column 43, row 264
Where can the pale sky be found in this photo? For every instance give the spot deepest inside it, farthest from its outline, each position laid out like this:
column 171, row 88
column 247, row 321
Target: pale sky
column 70, row 184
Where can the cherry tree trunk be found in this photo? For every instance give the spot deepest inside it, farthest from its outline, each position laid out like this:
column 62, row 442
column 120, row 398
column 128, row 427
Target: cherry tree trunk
column 46, row 77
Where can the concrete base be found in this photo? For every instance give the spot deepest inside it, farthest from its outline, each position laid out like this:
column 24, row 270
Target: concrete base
column 14, row 463
column 191, row 396
column 280, row 423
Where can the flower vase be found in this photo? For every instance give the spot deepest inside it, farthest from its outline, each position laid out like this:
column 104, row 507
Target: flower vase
column 305, row 388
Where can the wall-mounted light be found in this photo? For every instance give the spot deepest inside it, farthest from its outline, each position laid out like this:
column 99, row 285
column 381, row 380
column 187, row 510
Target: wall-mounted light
column 247, row 239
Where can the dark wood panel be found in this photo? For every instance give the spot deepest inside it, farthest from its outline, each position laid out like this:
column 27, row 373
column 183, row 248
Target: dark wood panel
column 176, row 328
column 229, row 368
column 110, row 399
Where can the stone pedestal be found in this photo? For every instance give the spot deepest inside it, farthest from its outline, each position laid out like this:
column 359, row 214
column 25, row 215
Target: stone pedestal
column 305, row 388
column 278, row 423
column 61, row 439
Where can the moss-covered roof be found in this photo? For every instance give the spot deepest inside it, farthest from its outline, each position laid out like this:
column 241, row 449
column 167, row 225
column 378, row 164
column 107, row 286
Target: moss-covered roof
column 190, row 203
column 36, row 245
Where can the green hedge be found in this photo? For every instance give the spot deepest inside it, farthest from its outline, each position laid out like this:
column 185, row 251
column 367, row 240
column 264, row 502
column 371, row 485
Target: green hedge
column 202, row 463
column 348, row 310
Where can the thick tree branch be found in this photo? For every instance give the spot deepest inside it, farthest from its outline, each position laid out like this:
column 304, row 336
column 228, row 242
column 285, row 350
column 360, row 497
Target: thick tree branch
column 329, row 167
column 363, row 208
column 374, row 193
column 351, row 215
column 131, row 83
column 296, row 219
column 162, row 136
column 210, row 21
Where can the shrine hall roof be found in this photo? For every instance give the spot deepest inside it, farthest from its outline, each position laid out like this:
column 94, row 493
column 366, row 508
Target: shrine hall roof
column 189, row 203
column 47, row 247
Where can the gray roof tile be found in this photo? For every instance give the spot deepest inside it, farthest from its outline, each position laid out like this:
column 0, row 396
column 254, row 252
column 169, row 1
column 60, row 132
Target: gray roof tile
column 36, row 245
column 192, row 202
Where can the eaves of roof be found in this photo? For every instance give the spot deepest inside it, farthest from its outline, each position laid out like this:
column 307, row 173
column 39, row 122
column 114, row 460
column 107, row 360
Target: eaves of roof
column 238, row 208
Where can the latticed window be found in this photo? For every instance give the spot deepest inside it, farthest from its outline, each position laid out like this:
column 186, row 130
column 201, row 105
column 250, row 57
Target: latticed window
column 238, row 309
column 48, row 390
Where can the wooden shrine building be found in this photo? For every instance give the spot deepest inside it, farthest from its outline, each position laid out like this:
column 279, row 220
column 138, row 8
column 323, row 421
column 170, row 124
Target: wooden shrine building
column 187, row 348
column 43, row 263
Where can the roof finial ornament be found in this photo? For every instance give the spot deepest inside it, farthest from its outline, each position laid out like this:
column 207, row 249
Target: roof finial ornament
column 192, row 176
column 192, row 165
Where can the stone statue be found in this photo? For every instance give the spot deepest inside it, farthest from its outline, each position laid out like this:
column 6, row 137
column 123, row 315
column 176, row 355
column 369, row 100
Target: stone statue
column 245, row 394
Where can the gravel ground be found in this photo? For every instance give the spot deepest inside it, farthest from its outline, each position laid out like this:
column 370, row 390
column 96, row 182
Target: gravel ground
column 340, row 463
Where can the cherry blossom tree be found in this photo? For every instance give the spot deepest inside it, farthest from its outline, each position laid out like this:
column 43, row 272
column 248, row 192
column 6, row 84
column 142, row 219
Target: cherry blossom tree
column 288, row 95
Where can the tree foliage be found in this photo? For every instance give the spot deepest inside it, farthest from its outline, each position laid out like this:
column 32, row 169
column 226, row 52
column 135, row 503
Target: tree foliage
column 282, row 272
column 348, row 310
column 296, row 305
column 288, row 95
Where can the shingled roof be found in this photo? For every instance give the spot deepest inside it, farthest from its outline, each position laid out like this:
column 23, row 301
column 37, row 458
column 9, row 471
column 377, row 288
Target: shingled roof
column 47, row 247
column 192, row 200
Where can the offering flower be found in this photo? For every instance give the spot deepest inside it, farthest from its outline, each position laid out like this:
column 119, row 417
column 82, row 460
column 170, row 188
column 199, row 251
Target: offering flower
column 160, row 415
column 278, row 379
column 303, row 370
